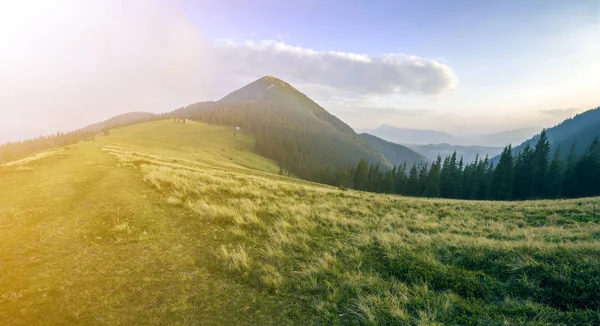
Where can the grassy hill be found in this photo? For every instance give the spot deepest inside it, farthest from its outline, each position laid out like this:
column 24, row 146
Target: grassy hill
column 394, row 153
column 166, row 223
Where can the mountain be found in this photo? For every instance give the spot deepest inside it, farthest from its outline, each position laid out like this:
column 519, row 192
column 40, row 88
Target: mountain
column 581, row 130
column 120, row 120
column 425, row 137
column 289, row 128
column 468, row 153
column 394, row 153
column 409, row 136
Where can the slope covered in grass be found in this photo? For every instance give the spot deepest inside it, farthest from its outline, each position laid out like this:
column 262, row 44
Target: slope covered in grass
column 165, row 223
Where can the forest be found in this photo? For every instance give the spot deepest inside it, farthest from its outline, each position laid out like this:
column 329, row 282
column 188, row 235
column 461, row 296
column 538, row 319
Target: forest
column 534, row 173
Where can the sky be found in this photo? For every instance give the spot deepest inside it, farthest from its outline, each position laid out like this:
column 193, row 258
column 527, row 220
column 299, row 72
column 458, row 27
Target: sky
column 464, row 67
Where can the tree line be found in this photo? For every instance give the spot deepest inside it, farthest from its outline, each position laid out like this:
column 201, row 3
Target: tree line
column 15, row 150
column 533, row 173
column 11, row 151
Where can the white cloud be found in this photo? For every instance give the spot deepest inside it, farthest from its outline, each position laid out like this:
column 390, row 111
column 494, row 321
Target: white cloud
column 386, row 74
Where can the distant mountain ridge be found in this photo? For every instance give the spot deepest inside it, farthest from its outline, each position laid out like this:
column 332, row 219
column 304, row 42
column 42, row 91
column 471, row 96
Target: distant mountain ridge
column 426, row 137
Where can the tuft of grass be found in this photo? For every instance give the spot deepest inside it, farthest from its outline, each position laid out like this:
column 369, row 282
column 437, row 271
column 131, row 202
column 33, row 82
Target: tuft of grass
column 236, row 259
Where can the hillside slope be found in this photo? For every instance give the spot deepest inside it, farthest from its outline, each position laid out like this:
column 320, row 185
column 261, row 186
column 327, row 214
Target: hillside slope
column 580, row 130
column 290, row 128
column 163, row 223
column 395, row 153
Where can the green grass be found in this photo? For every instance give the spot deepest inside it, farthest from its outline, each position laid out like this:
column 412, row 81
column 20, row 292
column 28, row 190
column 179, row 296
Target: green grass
column 164, row 223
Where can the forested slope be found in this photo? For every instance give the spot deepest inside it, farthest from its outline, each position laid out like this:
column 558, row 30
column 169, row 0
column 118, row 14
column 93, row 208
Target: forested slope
column 581, row 130
column 290, row 128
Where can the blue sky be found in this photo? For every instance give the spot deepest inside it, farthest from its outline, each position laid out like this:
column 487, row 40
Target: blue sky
column 498, row 50
column 459, row 66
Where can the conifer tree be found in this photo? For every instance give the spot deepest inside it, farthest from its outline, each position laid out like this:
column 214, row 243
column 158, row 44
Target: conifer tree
column 361, row 175
column 412, row 185
column 555, row 177
column 433, row 179
column 503, row 179
column 569, row 173
column 541, row 158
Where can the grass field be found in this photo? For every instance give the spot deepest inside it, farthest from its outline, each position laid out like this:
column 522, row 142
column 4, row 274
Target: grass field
column 165, row 223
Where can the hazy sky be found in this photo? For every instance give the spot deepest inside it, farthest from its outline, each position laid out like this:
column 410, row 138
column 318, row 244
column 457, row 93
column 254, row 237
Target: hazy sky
column 457, row 66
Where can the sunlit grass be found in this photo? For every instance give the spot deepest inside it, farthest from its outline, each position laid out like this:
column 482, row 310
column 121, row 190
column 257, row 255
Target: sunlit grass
column 191, row 212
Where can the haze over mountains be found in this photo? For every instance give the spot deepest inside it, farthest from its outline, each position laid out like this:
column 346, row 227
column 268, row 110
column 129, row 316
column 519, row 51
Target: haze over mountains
column 425, row 137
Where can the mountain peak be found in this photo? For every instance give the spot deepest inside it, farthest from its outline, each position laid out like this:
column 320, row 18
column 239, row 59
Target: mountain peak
column 271, row 81
column 262, row 89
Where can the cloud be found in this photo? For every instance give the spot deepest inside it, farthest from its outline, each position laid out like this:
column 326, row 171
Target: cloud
column 367, row 75
column 566, row 112
column 72, row 63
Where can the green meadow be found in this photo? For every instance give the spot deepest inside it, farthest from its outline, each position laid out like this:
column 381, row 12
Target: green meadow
column 163, row 223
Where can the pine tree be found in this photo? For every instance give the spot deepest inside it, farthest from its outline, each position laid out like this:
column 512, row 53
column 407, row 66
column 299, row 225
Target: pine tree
column 361, row 175
column 541, row 159
column 503, row 179
column 412, row 185
column 555, row 177
column 433, row 179
column 401, row 180
column 446, row 177
column 569, row 185
column 587, row 172
column 524, row 174
column 423, row 179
